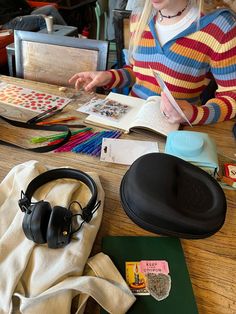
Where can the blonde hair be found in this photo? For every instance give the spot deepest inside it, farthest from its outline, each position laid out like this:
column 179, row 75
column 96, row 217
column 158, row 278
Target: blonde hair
column 143, row 14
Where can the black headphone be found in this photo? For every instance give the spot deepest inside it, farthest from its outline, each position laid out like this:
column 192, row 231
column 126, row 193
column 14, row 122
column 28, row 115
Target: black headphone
column 42, row 223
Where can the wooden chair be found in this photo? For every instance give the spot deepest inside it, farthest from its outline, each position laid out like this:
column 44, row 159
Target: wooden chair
column 54, row 59
column 122, row 33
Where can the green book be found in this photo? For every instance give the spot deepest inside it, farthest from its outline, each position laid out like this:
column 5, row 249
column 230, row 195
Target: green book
column 122, row 249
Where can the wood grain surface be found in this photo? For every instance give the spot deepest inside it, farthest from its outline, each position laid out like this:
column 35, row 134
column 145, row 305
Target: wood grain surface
column 211, row 262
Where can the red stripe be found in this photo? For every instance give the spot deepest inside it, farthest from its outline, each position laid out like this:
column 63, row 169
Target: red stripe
column 214, row 31
column 228, row 94
column 229, row 36
column 194, row 116
column 224, row 55
column 205, row 115
column 180, row 89
column 227, row 82
column 173, row 88
column 121, row 77
column 164, row 69
column 194, row 45
column 112, row 81
column 147, row 35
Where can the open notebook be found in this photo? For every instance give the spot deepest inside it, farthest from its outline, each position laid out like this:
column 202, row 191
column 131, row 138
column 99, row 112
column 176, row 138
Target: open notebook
column 128, row 113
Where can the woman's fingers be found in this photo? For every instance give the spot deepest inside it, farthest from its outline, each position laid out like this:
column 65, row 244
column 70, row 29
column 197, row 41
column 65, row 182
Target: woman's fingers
column 79, row 78
column 171, row 114
column 91, row 80
column 91, row 84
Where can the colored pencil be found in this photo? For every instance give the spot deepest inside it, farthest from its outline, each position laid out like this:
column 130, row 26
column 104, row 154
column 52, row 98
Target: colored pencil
column 56, row 121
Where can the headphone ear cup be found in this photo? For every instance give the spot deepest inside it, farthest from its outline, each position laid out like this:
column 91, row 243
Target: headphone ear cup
column 59, row 227
column 35, row 222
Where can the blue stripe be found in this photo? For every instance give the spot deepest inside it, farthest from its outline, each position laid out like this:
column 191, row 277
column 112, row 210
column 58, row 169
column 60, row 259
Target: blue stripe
column 226, row 77
column 143, row 92
column 225, row 70
column 126, row 78
column 172, row 61
column 214, row 114
column 152, row 53
column 225, row 21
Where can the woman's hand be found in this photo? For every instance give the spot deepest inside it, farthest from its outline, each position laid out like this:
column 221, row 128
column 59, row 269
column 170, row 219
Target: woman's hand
column 171, row 114
column 91, row 80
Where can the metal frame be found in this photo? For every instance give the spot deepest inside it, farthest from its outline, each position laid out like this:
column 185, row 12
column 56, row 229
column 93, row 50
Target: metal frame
column 73, row 42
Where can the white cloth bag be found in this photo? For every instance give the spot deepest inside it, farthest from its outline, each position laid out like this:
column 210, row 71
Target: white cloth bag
column 35, row 279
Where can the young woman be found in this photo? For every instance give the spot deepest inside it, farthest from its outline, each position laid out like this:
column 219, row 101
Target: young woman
column 188, row 50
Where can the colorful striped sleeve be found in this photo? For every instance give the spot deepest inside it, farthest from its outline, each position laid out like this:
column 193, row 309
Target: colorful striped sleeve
column 223, row 68
column 121, row 78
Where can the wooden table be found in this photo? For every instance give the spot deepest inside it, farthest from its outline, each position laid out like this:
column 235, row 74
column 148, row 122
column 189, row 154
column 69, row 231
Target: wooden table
column 211, row 262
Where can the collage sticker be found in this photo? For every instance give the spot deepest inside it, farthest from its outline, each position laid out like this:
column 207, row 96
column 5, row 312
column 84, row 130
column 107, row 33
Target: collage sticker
column 106, row 108
column 26, row 98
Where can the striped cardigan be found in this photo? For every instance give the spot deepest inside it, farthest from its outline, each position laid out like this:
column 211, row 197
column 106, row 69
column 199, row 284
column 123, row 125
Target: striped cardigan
column 187, row 63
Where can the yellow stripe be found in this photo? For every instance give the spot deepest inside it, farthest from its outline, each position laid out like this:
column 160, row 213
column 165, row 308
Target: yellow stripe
column 144, row 42
column 225, row 89
column 189, row 53
column 199, row 115
column 224, row 107
column 211, row 41
column 157, row 89
column 117, row 78
column 204, row 38
column 170, row 79
column 223, row 63
column 148, row 85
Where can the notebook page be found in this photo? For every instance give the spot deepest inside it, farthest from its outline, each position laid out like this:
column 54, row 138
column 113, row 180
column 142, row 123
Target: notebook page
column 150, row 117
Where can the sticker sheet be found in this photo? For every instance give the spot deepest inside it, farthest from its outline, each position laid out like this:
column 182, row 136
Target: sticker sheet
column 26, row 98
column 106, row 108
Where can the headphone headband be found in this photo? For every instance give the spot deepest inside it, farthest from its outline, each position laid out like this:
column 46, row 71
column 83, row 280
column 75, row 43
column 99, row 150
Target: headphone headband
column 60, row 173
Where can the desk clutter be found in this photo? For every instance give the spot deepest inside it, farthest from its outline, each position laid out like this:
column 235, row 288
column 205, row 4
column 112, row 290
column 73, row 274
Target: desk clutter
column 84, row 141
column 165, row 193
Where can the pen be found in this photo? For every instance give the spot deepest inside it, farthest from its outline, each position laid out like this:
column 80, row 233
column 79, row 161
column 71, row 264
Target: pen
column 44, row 115
column 115, row 134
column 75, row 142
column 99, row 142
column 56, row 121
column 54, row 137
column 80, row 148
